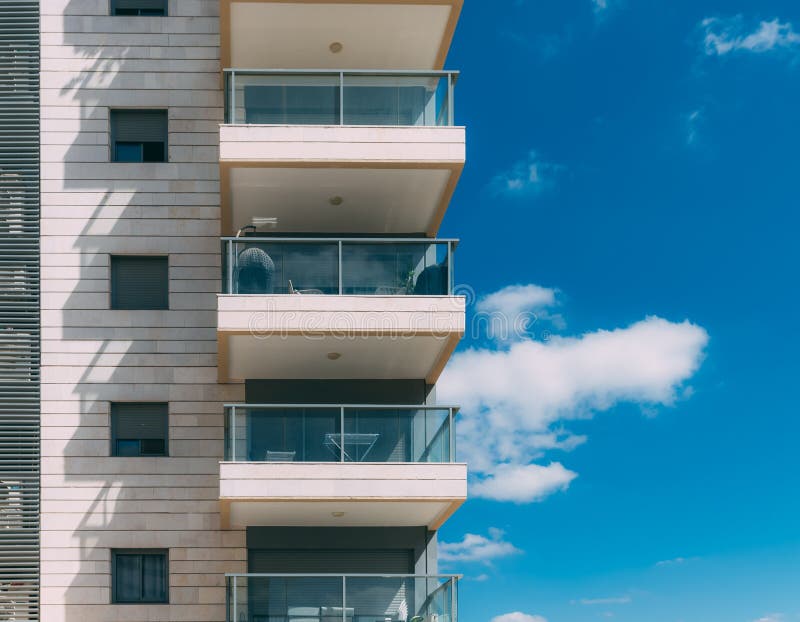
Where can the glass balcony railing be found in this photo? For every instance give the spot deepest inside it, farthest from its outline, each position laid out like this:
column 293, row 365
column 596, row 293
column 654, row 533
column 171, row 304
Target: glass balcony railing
column 355, row 267
column 320, row 97
column 341, row 598
column 320, row 433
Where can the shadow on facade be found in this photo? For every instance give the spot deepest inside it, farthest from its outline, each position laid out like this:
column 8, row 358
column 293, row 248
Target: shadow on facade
column 124, row 502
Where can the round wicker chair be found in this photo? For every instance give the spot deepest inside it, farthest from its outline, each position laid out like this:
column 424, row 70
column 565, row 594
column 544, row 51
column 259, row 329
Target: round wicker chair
column 254, row 272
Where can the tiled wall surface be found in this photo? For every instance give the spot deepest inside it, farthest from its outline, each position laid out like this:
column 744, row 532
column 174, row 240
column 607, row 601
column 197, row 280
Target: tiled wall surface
column 91, row 356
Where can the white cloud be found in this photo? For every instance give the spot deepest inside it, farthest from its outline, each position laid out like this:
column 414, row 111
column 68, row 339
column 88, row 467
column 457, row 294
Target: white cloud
column 516, row 299
column 603, row 8
column 528, row 177
column 614, row 600
column 678, row 561
column 518, row 616
column 515, row 400
column 771, row 617
column 510, row 313
column 477, row 548
column 523, row 483
column 693, row 122
column 723, row 36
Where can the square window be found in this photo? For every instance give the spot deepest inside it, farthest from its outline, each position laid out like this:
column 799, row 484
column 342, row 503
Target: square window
column 139, row 429
column 139, row 7
column 139, row 135
column 140, row 576
column 139, row 282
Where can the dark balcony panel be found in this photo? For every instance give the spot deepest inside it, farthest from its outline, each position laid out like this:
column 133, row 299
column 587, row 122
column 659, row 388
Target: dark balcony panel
column 350, row 267
column 374, row 434
column 289, row 435
column 336, row 391
column 292, row 104
column 385, row 98
column 341, row 598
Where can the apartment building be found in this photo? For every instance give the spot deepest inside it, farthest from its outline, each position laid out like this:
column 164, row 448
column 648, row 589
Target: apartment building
column 227, row 308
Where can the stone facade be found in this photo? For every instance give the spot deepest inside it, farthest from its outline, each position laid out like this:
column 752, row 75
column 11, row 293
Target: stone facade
column 91, row 355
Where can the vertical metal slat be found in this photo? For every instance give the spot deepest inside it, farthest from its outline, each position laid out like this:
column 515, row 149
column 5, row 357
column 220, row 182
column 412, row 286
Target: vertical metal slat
column 19, row 311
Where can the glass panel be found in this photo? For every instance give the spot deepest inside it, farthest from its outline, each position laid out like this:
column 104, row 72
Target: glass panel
column 432, row 436
column 153, row 447
column 287, row 100
column 440, row 600
column 399, row 599
column 315, row 99
column 330, row 599
column 313, row 435
column 128, row 152
column 394, row 269
column 238, row 593
column 293, row 435
column 295, row 599
column 127, row 448
column 154, row 580
column 396, row 435
column 382, row 269
column 285, row 267
column 127, row 578
column 394, row 100
column 153, row 152
column 379, row 599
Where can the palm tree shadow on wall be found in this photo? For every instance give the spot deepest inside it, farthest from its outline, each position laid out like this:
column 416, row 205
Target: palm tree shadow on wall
column 119, row 357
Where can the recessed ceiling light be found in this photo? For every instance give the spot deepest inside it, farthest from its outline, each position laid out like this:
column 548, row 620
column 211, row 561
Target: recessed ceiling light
column 336, row 200
column 337, row 514
column 335, row 47
column 334, row 356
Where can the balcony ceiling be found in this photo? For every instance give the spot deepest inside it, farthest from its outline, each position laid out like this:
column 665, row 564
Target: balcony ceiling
column 375, row 357
column 332, row 494
column 396, row 34
column 373, row 200
column 321, row 514
column 389, row 179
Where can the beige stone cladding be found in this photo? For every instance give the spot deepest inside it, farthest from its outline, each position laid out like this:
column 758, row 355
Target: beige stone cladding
column 92, row 356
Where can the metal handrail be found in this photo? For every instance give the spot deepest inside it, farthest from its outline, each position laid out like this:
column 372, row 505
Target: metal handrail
column 278, row 238
column 356, row 72
column 352, row 406
column 273, row 575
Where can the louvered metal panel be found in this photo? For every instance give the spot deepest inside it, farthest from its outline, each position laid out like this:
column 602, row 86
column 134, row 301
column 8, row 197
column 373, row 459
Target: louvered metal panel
column 19, row 310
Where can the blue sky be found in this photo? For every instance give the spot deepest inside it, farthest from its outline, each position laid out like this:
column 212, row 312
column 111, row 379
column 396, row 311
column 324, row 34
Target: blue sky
column 632, row 182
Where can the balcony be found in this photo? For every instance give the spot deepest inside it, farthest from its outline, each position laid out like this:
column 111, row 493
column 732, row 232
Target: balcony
column 383, row 33
column 341, row 598
column 339, row 151
column 371, row 308
column 340, row 466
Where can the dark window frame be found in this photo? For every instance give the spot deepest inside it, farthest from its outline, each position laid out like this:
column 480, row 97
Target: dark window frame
column 113, row 285
column 114, row 449
column 116, row 553
column 143, row 145
column 113, row 10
